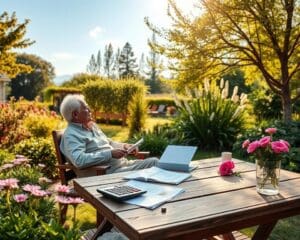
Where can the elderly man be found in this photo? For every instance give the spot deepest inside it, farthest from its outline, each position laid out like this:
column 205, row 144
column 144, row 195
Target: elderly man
column 84, row 144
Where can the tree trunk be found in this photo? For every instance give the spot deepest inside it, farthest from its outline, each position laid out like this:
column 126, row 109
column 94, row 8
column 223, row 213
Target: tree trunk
column 286, row 104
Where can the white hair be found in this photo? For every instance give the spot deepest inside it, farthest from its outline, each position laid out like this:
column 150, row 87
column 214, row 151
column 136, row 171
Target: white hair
column 71, row 103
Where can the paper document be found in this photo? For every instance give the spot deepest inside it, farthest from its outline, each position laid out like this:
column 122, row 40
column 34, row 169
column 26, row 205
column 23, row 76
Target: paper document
column 155, row 196
column 134, row 146
column 155, row 174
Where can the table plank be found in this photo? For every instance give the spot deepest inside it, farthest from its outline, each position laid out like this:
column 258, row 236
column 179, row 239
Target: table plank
column 212, row 211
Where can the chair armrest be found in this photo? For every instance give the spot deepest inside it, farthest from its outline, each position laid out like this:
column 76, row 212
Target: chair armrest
column 100, row 170
column 142, row 155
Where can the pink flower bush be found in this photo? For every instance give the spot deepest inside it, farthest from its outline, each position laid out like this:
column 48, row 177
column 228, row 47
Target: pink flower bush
column 226, row 168
column 271, row 130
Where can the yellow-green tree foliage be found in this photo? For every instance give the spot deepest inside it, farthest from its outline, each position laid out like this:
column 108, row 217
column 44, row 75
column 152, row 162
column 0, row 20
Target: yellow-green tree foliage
column 261, row 36
column 12, row 37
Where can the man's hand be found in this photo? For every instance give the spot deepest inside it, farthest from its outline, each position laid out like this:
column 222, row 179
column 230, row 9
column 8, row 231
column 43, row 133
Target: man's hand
column 126, row 146
column 118, row 153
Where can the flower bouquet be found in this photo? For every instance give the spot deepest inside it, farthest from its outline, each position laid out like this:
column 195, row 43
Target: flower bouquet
column 268, row 155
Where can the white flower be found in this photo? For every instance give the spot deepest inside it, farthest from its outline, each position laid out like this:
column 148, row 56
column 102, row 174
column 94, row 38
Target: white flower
column 243, row 99
column 188, row 108
column 212, row 116
column 221, row 83
column 206, row 85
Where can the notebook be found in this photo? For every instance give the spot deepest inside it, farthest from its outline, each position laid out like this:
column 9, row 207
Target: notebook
column 177, row 158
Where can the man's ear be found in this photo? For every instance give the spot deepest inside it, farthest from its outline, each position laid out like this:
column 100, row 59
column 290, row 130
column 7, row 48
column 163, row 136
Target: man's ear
column 74, row 115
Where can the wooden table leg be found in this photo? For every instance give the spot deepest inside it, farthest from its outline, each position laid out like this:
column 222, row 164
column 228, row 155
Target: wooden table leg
column 105, row 226
column 263, row 231
column 228, row 236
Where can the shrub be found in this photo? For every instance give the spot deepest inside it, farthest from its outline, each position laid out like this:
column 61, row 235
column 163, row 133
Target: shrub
column 41, row 125
column 13, row 116
column 159, row 138
column 137, row 114
column 40, row 151
column 209, row 119
column 5, row 156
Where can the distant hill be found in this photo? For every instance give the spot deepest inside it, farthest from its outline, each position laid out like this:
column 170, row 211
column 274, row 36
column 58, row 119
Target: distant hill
column 60, row 79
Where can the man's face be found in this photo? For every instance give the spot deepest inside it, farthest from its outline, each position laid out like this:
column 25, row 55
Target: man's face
column 83, row 116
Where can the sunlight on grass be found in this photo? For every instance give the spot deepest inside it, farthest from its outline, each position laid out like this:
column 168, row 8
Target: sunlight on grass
column 119, row 133
column 86, row 215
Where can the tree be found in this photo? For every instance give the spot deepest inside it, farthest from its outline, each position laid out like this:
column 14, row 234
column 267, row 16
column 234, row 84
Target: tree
column 108, row 60
column 127, row 61
column 116, row 65
column 155, row 67
column 12, row 37
column 260, row 36
column 29, row 85
column 94, row 66
column 80, row 79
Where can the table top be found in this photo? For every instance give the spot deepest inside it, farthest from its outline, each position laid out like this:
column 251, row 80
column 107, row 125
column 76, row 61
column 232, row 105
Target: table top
column 210, row 205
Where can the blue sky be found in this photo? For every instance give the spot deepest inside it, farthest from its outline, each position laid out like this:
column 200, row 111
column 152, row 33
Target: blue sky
column 68, row 32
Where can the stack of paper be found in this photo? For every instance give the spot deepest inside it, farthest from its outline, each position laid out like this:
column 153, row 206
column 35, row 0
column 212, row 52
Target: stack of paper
column 155, row 196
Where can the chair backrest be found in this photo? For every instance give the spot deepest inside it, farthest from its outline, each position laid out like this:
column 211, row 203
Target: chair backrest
column 66, row 174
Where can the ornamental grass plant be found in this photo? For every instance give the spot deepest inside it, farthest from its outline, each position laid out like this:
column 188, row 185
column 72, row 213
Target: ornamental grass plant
column 209, row 118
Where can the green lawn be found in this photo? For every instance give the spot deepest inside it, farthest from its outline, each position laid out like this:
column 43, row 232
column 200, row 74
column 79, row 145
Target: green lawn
column 286, row 229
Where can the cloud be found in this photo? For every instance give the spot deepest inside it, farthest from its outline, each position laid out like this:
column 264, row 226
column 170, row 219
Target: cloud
column 95, row 32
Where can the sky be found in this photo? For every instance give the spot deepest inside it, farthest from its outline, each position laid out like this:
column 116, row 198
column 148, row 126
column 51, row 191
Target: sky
column 68, row 32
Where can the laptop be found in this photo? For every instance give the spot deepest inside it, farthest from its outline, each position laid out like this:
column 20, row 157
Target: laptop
column 177, row 158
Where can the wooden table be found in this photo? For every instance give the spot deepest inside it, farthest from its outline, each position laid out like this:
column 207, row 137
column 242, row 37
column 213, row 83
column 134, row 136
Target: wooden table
column 211, row 205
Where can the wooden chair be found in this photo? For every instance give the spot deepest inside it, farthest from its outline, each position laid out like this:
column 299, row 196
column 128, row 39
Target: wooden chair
column 67, row 172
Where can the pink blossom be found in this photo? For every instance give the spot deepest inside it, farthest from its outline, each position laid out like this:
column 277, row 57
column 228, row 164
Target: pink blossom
column 285, row 142
column 9, row 183
column 62, row 188
column 62, row 200
column 253, row 146
column 265, row 141
column 271, row 130
column 226, row 167
column 31, row 188
column 19, row 161
column 40, row 193
column 279, row 147
column 76, row 200
column 20, row 197
column 246, row 143
column 7, row 166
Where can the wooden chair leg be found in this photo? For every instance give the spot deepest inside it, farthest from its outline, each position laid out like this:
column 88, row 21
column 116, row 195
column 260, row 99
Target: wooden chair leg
column 100, row 219
column 63, row 208
column 105, row 226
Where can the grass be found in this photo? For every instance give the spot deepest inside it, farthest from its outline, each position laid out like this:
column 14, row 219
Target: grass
column 286, row 229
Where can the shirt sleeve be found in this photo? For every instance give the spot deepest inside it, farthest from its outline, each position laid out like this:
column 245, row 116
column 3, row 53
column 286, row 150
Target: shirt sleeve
column 74, row 148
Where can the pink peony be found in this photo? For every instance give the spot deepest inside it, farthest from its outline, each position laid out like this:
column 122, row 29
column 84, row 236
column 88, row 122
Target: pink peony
column 279, row 147
column 265, row 141
column 253, row 146
column 285, row 142
column 20, row 197
column 246, row 143
column 225, row 169
column 271, row 130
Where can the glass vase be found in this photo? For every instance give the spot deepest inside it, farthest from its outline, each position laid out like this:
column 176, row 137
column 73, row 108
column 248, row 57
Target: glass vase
column 267, row 176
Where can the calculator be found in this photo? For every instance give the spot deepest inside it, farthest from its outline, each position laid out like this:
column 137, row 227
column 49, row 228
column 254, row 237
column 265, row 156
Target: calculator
column 121, row 192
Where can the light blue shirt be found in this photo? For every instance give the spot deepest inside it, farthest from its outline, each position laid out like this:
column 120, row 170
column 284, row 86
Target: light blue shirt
column 85, row 147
